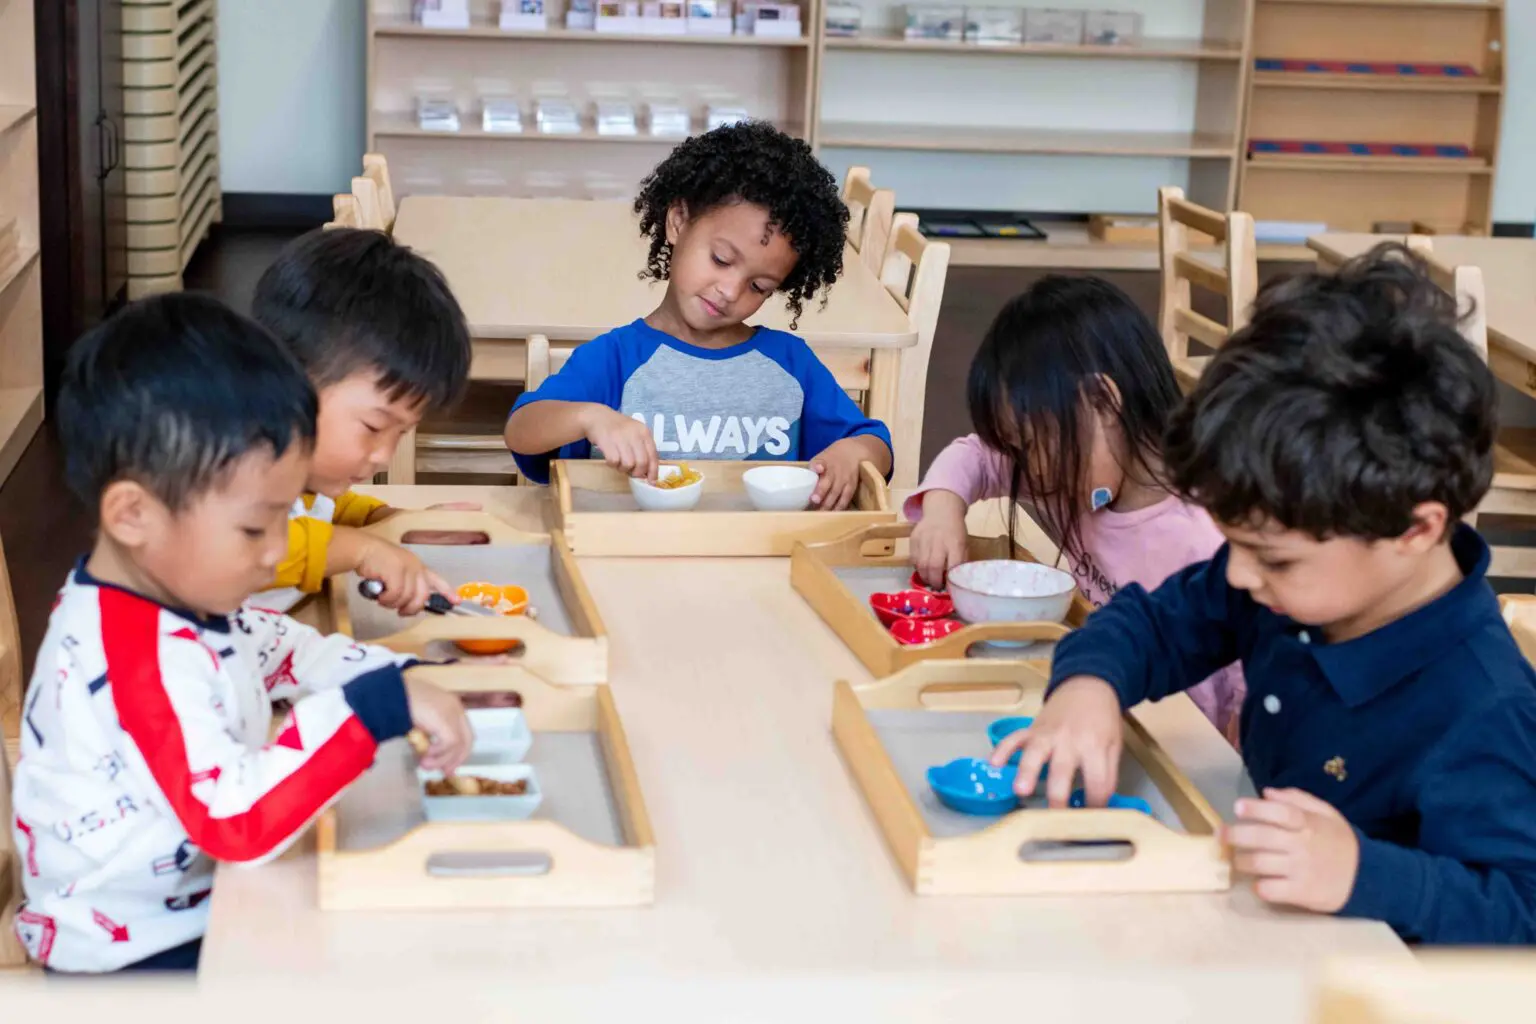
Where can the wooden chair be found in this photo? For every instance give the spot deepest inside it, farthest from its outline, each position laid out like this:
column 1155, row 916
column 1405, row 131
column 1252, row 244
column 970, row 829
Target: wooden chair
column 376, row 170
column 913, row 272
column 344, row 212
column 1236, row 278
column 1513, row 493
column 11, row 693
column 870, row 211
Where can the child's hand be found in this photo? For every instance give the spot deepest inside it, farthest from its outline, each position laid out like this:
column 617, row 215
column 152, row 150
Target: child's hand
column 838, row 467
column 445, row 537
column 1299, row 847
column 939, row 538
column 626, row 443
column 441, row 716
column 1078, row 729
column 408, row 583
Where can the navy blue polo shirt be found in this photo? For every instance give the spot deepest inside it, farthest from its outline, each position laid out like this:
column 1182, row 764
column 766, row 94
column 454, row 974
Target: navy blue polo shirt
column 1422, row 733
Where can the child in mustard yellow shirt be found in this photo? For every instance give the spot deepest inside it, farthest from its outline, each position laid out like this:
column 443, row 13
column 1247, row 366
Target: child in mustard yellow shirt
column 384, row 343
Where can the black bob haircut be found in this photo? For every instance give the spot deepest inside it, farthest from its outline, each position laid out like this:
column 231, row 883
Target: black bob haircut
column 348, row 301
column 1349, row 399
column 752, row 162
column 170, row 392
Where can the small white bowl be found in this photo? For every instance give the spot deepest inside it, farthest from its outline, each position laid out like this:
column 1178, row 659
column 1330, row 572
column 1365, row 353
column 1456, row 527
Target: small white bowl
column 660, row 499
column 780, row 488
column 1008, row 591
column 501, row 735
column 483, row 808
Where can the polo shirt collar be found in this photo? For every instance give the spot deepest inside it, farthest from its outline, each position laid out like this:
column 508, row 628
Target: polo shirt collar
column 1362, row 669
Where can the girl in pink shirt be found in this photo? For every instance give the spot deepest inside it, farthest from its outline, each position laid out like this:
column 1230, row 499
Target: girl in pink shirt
column 1070, row 393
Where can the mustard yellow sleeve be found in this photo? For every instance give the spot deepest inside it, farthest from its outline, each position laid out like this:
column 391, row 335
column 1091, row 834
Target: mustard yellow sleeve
column 354, row 509
column 309, row 540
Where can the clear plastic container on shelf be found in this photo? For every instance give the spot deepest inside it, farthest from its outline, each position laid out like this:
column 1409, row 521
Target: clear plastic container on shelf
column 616, row 117
column 994, row 26
column 557, row 115
column 523, row 16
column 1111, row 28
column 1055, row 27
column 669, row 119
column 581, row 14
column 931, row 22
column 618, row 16
column 768, row 19
column 721, row 114
column 664, row 18
column 501, row 115
column 710, row 17
column 435, row 114
column 844, row 21
column 441, row 13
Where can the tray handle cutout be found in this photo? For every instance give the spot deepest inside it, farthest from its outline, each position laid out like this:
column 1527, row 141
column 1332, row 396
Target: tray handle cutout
column 1039, row 851
column 972, row 696
column 490, row 864
column 959, row 644
column 454, row 521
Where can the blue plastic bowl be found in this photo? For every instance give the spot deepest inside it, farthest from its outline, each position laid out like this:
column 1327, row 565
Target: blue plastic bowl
column 972, row 786
column 1005, row 727
column 1116, row 803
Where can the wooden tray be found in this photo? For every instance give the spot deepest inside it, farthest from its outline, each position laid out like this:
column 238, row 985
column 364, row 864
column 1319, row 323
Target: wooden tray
column 565, row 644
column 589, row 844
column 599, row 516
column 892, row 730
column 837, row 577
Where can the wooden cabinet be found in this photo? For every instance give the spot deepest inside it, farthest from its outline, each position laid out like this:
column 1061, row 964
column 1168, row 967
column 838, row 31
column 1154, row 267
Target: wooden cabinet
column 21, row 344
column 80, row 78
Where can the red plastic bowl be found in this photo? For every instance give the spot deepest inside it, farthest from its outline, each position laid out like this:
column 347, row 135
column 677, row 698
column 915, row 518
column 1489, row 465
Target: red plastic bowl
column 923, row 631
column 918, row 584
column 911, row 604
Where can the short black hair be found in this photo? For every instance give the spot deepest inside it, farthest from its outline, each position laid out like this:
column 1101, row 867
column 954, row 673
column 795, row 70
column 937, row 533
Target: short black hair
column 1346, row 401
column 172, row 390
column 752, row 162
column 349, row 301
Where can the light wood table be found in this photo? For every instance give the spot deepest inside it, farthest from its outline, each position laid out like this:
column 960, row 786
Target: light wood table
column 569, row 270
column 1509, row 284
column 770, row 869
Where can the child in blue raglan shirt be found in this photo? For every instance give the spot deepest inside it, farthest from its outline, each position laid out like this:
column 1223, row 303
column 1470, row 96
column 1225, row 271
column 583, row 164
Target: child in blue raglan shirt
column 733, row 216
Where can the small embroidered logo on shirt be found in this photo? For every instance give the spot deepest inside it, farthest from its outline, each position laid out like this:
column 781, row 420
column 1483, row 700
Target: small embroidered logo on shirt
column 1335, row 766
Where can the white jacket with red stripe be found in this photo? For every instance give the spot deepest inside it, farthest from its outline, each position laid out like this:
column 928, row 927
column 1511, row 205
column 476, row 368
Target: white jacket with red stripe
column 145, row 758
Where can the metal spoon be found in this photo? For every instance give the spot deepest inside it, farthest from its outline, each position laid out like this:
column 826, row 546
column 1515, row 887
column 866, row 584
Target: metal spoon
column 437, row 604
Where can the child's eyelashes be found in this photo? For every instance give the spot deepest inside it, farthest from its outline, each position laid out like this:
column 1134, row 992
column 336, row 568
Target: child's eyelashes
column 1273, row 566
column 254, row 533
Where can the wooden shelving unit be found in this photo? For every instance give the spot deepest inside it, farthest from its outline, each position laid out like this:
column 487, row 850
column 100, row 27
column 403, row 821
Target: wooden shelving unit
column 772, row 78
column 21, row 296
column 1333, row 105
column 170, row 138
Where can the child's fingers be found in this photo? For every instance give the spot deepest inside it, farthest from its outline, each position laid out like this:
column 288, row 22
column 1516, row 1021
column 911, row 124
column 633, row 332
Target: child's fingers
column 822, row 484
column 1259, row 837
column 1262, row 864
column 1300, row 800
column 1099, row 778
column 1034, row 753
column 1272, row 812
column 1008, row 746
column 437, row 584
column 1058, row 784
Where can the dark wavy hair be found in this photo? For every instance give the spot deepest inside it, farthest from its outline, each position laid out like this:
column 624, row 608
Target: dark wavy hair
column 1349, row 399
column 752, row 162
column 1051, row 353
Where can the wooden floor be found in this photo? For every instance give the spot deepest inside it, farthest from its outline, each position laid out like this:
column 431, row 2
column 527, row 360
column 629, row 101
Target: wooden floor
column 45, row 531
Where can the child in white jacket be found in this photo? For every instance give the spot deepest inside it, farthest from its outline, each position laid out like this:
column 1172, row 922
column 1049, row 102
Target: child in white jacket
column 145, row 750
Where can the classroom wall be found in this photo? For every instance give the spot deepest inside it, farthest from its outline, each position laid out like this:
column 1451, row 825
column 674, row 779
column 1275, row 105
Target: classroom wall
column 291, row 93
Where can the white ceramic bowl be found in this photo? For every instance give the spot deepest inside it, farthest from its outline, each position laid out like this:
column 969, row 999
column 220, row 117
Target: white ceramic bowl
column 1008, row 591
column 779, row 488
column 484, row 808
column 660, row 499
column 501, row 735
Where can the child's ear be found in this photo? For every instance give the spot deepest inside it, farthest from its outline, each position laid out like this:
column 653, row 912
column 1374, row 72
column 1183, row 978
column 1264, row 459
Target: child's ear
column 1103, row 394
column 677, row 220
column 127, row 513
column 1431, row 525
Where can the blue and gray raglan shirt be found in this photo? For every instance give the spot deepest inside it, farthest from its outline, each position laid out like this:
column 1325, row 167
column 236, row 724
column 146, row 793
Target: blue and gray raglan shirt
column 767, row 399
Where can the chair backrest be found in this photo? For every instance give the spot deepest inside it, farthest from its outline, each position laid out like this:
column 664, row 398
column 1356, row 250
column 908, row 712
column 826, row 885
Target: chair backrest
column 376, row 169
column 870, row 211
column 544, row 360
column 919, row 290
column 344, row 212
column 1236, row 279
column 370, row 211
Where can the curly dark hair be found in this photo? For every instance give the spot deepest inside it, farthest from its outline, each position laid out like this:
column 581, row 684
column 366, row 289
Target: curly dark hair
column 752, row 162
column 1349, row 399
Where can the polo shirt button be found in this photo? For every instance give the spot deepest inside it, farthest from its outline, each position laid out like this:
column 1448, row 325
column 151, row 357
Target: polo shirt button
column 1304, row 637
column 1272, row 704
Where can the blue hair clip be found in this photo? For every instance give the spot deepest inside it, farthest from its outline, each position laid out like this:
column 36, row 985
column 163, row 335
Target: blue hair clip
column 1102, row 496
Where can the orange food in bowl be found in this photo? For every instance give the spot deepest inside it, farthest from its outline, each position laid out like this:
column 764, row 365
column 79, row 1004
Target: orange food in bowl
column 506, row 599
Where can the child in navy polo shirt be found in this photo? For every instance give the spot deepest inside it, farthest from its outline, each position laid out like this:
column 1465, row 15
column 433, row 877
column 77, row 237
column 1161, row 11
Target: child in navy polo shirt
column 1390, row 722
column 732, row 216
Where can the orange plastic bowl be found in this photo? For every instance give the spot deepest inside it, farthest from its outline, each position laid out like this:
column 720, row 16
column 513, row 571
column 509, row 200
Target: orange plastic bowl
column 491, row 595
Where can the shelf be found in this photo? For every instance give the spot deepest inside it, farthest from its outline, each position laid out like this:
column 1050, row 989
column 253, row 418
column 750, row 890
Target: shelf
column 1150, row 49
column 1069, row 246
column 1373, row 83
column 9, row 272
column 12, row 116
column 21, row 413
column 1375, row 165
column 404, row 126
column 1454, row 5
column 556, row 34
column 1026, row 140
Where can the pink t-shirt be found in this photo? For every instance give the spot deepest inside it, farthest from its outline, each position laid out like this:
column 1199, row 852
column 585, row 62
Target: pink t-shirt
column 1146, row 547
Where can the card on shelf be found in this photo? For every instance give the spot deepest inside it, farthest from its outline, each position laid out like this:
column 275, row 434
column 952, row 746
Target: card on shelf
column 581, row 15
column 1054, row 27
column 946, row 24
column 710, row 17
column 437, row 115
column 523, row 16
column 1111, row 28
column 844, row 21
column 501, row 117
column 994, row 26
column 618, row 16
column 441, row 13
